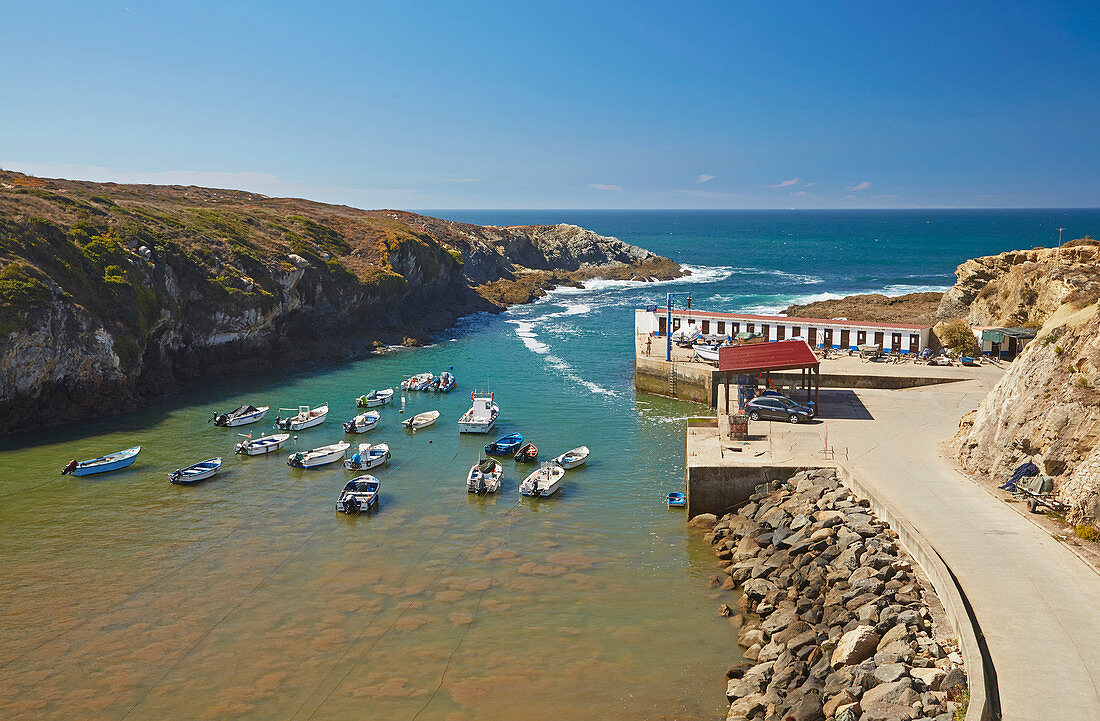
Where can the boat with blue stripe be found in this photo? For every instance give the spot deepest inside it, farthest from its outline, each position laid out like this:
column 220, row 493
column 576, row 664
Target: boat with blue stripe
column 103, row 464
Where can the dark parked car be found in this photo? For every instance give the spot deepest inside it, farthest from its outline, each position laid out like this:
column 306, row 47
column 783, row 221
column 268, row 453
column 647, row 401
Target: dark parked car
column 777, row 408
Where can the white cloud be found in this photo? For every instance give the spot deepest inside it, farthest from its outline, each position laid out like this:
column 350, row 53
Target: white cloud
column 603, row 186
column 786, row 183
column 703, row 177
column 862, row 186
column 462, row 180
column 801, row 194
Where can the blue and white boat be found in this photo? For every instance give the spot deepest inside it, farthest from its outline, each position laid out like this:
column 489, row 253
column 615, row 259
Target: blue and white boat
column 198, row 472
column 447, row 382
column 103, row 464
column 359, row 494
column 362, row 422
column 257, row 446
column 505, row 446
column 676, row 499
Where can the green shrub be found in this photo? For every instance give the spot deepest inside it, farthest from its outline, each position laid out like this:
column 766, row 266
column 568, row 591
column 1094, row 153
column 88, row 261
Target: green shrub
column 18, row 287
column 1057, row 350
column 1082, row 382
column 956, row 335
column 1087, row 533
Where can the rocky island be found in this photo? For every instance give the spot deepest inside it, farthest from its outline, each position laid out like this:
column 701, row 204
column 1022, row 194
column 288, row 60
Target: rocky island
column 111, row 295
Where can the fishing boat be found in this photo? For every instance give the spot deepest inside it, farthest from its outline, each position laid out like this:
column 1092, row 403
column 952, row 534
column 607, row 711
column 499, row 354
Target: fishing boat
column 363, row 422
column 197, row 472
column 573, row 458
column 421, row 420
column 359, row 494
column 708, row 353
column 676, row 499
column 484, row 476
column 686, row 336
column 527, row 453
column 103, row 464
column 543, row 482
column 258, row 446
column 318, row 456
column 505, row 446
column 968, row 360
column 375, row 398
column 482, row 415
column 368, row 456
column 240, row 417
column 447, row 382
column 417, row 382
column 305, row 418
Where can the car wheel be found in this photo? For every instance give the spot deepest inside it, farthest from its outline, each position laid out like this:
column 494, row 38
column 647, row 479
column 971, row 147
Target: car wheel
column 754, row 416
column 793, row 418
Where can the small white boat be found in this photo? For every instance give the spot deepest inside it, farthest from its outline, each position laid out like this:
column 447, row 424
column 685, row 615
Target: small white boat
column 318, row 456
column 421, row 420
column 197, row 472
column 418, row 382
column 481, row 417
column 360, row 494
column 708, row 353
column 367, row 457
column 258, row 446
column 484, row 476
column 686, row 336
column 103, row 464
column 543, row 482
column 240, row 417
column 375, row 398
column 573, row 458
column 306, row 418
column 363, row 422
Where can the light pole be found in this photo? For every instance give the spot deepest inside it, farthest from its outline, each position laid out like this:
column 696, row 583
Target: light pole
column 668, row 320
column 1060, row 235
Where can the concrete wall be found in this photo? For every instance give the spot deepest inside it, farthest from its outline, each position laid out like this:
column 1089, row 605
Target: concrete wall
column 694, row 382
column 718, row 489
column 845, row 380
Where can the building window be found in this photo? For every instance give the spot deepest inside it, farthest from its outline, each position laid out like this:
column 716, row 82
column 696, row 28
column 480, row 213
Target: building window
column 721, row 327
column 796, row 331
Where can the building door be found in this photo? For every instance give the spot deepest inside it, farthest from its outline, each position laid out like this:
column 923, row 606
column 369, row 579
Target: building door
column 895, row 342
column 845, row 338
column 828, row 338
column 914, row 343
column 706, row 327
column 736, row 327
column 812, row 333
column 878, row 339
column 751, row 327
column 721, row 327
column 766, row 330
column 662, row 326
column 675, row 324
column 861, row 337
column 780, row 332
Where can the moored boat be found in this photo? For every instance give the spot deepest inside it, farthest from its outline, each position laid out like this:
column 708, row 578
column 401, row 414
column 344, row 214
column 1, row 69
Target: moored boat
column 318, row 456
column 421, row 420
column 359, row 494
column 543, row 482
column 447, row 382
column 258, row 446
column 363, row 422
column 103, row 464
column 367, row 457
column 375, row 398
column 306, row 418
column 527, row 453
column 708, row 353
column 505, row 446
column 196, row 472
column 482, row 415
column 573, row 458
column 240, row 417
column 484, row 476
column 676, row 499
column 418, row 382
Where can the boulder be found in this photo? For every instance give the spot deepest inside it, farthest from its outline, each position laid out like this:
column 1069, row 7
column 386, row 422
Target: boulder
column 855, row 646
column 750, row 636
column 848, row 712
column 704, row 520
column 843, row 698
column 758, row 588
column 896, row 692
column 955, row 678
column 896, row 633
column 743, row 708
column 881, row 711
column 932, row 678
column 890, row 672
column 807, row 707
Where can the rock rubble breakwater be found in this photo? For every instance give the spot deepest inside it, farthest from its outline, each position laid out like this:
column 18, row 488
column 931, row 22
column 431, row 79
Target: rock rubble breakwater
column 835, row 619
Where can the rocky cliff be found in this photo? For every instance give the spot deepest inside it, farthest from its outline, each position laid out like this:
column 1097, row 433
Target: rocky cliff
column 1046, row 406
column 114, row 294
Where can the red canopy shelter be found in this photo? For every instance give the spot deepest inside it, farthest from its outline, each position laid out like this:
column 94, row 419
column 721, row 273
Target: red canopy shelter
column 762, row 358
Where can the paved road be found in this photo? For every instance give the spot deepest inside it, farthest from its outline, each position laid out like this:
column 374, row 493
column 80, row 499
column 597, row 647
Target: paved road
column 1037, row 603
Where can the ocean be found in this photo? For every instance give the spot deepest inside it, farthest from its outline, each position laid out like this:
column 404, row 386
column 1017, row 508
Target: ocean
column 246, row 596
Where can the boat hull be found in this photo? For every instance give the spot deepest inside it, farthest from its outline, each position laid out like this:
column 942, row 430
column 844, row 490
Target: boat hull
column 302, row 425
column 477, row 427
column 261, row 446
column 106, row 467
column 317, row 460
column 247, row 419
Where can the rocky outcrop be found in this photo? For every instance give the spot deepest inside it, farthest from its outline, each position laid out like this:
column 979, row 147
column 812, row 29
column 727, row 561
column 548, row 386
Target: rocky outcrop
column 874, row 307
column 833, row 618
column 114, row 294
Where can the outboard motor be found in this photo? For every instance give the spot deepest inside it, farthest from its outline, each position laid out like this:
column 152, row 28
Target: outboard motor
column 349, row 427
column 351, row 505
column 70, row 467
column 221, row 420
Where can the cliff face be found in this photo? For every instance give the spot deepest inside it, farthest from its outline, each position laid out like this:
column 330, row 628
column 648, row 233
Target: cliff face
column 113, row 294
column 1046, row 406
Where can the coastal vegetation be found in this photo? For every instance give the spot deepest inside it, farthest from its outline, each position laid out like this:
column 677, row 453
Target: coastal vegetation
column 957, row 335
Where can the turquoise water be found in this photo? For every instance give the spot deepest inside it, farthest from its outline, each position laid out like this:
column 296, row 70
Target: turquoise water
column 124, row 596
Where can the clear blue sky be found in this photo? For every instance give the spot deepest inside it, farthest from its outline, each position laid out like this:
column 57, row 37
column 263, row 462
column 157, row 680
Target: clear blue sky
column 716, row 104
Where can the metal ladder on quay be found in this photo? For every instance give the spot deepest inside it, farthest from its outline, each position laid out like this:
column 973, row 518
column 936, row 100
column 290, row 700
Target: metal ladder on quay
column 672, row 379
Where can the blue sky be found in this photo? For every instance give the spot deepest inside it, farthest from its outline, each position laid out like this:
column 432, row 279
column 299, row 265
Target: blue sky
column 565, row 105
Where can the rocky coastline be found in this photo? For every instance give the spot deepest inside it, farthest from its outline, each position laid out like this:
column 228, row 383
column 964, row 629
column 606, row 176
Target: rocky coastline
column 835, row 619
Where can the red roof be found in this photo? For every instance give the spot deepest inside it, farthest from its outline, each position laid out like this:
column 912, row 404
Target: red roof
column 792, row 320
column 781, row 355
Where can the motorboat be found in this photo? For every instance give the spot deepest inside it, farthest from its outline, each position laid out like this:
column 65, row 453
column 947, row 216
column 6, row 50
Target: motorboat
column 197, row 472
column 258, row 446
column 573, row 458
column 318, row 456
column 505, row 446
column 447, row 382
column 482, row 415
column 543, row 482
column 421, row 420
column 306, row 418
column 968, row 360
column 240, row 417
column 418, row 382
column 375, row 398
column 367, row 457
column 484, row 476
column 686, row 336
column 704, row 352
column 676, row 499
column 363, row 422
column 103, row 464
column 359, row 494
column 527, row 453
